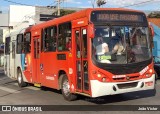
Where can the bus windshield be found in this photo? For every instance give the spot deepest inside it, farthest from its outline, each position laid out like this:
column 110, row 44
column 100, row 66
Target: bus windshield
column 121, row 44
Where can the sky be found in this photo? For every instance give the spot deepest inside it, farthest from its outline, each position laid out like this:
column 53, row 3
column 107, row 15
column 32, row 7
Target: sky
column 151, row 5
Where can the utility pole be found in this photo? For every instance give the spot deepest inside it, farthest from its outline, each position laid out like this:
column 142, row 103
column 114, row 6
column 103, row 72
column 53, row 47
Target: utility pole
column 58, row 8
column 93, row 2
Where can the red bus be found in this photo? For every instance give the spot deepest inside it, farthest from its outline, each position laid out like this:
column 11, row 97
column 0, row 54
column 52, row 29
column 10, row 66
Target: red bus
column 93, row 52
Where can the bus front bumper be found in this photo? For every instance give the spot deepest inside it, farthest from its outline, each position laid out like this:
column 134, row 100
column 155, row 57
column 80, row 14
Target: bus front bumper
column 104, row 88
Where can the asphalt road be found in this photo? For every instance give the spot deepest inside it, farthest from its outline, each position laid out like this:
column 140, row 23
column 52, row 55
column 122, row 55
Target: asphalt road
column 11, row 94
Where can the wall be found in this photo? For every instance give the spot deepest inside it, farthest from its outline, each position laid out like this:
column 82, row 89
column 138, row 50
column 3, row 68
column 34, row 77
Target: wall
column 155, row 21
column 156, row 39
column 19, row 14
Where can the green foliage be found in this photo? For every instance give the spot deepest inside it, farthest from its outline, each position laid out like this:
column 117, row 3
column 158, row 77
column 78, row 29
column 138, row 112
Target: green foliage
column 100, row 2
column 66, row 12
column 154, row 15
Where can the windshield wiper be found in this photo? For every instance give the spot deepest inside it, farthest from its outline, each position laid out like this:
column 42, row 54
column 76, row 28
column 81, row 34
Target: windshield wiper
column 134, row 33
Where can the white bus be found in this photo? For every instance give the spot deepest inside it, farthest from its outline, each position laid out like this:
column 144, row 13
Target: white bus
column 12, row 55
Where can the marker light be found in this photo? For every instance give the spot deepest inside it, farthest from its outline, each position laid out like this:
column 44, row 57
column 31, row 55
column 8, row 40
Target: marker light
column 103, row 79
column 150, row 71
column 147, row 75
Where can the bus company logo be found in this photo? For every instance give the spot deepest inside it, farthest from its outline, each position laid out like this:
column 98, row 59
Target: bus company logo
column 80, row 22
column 127, row 78
column 6, row 108
column 119, row 76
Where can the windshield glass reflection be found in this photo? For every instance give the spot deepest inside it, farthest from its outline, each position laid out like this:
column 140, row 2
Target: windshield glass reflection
column 121, row 44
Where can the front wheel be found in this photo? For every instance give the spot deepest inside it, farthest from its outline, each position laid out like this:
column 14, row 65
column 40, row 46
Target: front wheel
column 21, row 83
column 156, row 75
column 66, row 89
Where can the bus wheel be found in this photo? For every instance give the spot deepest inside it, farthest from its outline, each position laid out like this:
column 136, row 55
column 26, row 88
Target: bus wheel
column 66, row 89
column 156, row 76
column 21, row 83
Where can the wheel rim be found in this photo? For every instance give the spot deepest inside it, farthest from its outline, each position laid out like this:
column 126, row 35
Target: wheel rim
column 66, row 87
column 19, row 78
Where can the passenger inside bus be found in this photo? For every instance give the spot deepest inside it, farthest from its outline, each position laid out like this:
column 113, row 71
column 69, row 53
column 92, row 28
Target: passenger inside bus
column 47, row 47
column 115, row 44
column 108, row 45
column 102, row 47
column 69, row 44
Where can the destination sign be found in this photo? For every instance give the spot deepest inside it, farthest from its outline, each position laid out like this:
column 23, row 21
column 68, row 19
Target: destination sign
column 101, row 16
column 118, row 17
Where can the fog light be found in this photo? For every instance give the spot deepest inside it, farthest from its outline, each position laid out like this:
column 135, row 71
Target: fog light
column 142, row 84
column 103, row 79
column 114, row 88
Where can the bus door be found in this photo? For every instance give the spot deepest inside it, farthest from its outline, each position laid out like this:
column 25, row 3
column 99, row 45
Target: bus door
column 82, row 80
column 12, row 59
column 36, row 60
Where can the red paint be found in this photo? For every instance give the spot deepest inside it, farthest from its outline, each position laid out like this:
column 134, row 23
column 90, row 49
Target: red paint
column 48, row 75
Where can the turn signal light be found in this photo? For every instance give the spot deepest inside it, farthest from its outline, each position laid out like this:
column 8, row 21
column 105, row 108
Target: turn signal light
column 148, row 75
column 103, row 79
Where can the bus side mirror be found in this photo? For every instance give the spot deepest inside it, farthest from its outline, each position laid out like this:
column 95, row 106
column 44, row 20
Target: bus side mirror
column 91, row 31
column 151, row 30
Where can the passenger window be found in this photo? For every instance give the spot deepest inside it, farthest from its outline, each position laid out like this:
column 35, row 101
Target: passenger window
column 27, row 42
column 20, row 45
column 64, row 37
column 84, row 45
column 50, row 35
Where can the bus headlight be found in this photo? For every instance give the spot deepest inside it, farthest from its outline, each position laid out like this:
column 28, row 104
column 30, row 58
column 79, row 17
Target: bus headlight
column 102, row 77
column 99, row 75
column 150, row 71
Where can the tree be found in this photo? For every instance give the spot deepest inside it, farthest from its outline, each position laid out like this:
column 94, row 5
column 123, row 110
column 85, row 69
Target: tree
column 154, row 15
column 66, row 12
column 101, row 2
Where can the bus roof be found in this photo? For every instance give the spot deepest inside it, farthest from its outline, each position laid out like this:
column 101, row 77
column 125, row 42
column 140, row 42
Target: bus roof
column 76, row 15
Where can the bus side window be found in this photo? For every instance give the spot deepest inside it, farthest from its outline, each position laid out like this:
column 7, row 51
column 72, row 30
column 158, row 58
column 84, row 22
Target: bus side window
column 84, row 35
column 7, row 45
column 50, row 34
column 27, row 42
column 64, row 37
column 20, row 43
column 77, row 44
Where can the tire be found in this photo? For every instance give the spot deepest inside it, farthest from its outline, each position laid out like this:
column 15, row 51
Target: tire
column 21, row 83
column 156, row 77
column 66, row 90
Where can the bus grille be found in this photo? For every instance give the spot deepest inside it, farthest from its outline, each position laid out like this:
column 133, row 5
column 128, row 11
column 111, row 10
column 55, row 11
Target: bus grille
column 124, row 79
column 127, row 85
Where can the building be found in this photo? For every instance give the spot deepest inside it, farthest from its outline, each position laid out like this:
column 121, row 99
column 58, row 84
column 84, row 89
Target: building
column 4, row 25
column 155, row 21
column 4, row 28
column 30, row 15
column 20, row 17
column 156, row 40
